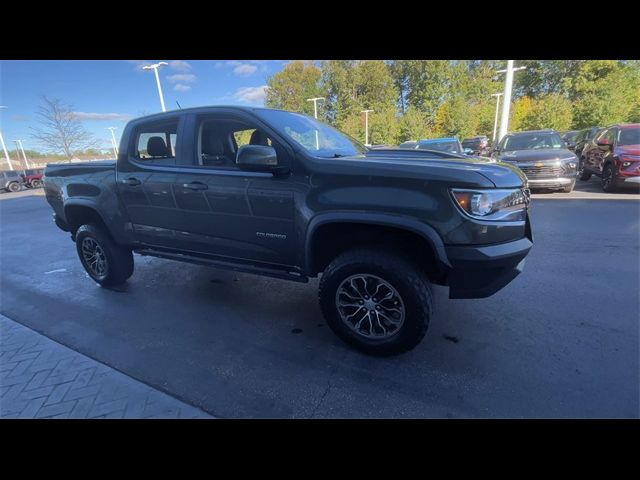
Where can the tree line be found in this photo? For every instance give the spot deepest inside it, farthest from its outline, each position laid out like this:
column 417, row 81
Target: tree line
column 415, row 99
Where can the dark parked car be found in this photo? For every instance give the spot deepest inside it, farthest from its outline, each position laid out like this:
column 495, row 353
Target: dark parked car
column 478, row 145
column 296, row 200
column 584, row 137
column 32, row 177
column 450, row 144
column 570, row 139
column 614, row 156
column 543, row 156
column 10, row 181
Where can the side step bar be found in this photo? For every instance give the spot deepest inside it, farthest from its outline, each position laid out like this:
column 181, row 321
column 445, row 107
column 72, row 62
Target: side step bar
column 211, row 262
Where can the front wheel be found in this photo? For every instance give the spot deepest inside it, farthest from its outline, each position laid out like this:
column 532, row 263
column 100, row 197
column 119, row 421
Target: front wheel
column 106, row 262
column 36, row 183
column 608, row 179
column 378, row 302
column 569, row 188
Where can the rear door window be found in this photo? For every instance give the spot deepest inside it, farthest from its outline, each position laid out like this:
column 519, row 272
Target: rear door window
column 156, row 143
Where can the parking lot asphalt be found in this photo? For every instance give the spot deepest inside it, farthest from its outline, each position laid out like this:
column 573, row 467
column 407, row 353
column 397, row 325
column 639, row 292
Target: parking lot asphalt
column 560, row 341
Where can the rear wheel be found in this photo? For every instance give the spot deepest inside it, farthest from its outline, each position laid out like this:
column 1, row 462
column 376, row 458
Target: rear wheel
column 13, row 187
column 36, row 183
column 106, row 262
column 608, row 179
column 378, row 302
column 582, row 173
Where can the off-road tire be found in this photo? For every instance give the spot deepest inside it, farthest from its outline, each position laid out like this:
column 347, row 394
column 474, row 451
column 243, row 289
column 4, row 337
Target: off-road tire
column 410, row 282
column 119, row 259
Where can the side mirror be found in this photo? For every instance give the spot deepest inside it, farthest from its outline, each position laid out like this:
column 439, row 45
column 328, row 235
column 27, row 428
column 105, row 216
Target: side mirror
column 257, row 158
column 604, row 142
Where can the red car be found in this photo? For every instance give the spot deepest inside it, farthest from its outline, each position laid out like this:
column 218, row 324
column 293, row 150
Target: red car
column 614, row 156
column 33, row 177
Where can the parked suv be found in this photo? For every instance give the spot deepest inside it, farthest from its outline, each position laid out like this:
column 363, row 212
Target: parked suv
column 583, row 138
column 543, row 156
column 281, row 194
column 10, row 181
column 614, row 156
column 478, row 145
column 33, row 177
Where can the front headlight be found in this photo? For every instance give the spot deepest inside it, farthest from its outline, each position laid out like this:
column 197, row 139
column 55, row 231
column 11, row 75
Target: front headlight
column 494, row 205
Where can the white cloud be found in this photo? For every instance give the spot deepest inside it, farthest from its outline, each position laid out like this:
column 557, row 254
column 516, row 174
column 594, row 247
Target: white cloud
column 182, row 78
column 251, row 94
column 180, row 65
column 243, row 69
column 102, row 116
column 180, row 87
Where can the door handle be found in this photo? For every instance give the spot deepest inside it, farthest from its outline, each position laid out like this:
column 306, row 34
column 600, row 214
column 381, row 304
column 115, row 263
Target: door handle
column 195, row 186
column 132, row 182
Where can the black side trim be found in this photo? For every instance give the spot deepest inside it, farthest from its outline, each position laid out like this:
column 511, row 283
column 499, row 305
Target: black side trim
column 294, row 276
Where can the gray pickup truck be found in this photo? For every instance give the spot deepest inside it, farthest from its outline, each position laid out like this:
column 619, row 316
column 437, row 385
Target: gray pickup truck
column 281, row 194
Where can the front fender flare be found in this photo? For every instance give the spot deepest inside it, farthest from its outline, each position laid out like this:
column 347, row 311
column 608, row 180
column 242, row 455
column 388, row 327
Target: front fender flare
column 397, row 221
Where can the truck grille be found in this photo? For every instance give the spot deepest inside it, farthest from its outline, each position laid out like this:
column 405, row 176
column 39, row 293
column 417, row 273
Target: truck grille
column 542, row 172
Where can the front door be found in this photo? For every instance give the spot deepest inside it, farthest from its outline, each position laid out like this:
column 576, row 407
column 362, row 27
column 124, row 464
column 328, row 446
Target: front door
column 227, row 212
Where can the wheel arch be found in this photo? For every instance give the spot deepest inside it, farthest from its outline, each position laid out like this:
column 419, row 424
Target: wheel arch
column 313, row 263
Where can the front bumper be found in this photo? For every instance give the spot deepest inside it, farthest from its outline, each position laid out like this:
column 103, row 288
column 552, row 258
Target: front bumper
column 481, row 271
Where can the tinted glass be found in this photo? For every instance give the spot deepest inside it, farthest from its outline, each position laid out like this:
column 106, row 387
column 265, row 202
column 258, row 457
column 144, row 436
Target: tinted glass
column 629, row 136
column 156, row 143
column 533, row 141
column 452, row 147
column 315, row 137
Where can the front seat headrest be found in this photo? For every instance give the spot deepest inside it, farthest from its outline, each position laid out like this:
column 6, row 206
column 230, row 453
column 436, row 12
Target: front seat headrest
column 156, row 147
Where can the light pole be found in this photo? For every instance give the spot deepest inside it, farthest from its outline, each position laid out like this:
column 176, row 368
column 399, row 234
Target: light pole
column 495, row 121
column 21, row 149
column 508, row 85
column 366, row 126
column 155, row 68
column 315, row 105
column 315, row 115
column 4, row 147
column 114, row 144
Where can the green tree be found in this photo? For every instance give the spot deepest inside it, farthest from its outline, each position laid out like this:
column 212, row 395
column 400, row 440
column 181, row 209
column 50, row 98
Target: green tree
column 413, row 126
column 457, row 117
column 550, row 111
column 290, row 88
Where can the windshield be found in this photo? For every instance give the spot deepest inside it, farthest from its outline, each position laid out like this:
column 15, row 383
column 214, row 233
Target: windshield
column 453, row 147
column 570, row 136
column 532, row 141
column 629, row 136
column 318, row 138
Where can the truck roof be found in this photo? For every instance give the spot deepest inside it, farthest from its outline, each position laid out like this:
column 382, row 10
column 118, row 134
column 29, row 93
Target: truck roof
column 204, row 108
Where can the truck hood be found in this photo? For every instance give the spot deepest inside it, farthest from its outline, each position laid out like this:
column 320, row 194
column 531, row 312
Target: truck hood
column 463, row 170
column 538, row 155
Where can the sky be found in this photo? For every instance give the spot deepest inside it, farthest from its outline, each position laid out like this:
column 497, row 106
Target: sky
column 108, row 93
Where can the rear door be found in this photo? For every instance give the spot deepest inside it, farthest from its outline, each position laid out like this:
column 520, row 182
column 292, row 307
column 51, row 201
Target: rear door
column 145, row 181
